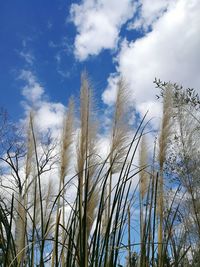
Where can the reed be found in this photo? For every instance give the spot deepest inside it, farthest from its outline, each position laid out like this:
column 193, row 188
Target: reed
column 103, row 222
column 163, row 142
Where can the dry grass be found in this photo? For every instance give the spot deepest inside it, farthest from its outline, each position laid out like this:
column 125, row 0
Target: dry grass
column 100, row 227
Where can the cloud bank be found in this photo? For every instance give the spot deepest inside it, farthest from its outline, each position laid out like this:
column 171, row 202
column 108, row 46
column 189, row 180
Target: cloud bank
column 169, row 52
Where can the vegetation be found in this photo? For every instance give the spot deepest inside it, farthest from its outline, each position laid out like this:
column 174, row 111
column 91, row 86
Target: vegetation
column 111, row 211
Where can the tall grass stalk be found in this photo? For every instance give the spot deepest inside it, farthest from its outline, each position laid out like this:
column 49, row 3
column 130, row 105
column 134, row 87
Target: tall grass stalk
column 107, row 209
column 163, row 142
column 66, row 141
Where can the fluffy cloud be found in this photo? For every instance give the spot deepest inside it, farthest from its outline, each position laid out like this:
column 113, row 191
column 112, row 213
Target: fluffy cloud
column 109, row 95
column 48, row 115
column 169, row 52
column 32, row 91
column 98, row 24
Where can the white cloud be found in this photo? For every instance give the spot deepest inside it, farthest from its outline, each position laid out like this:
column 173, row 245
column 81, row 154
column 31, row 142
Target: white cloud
column 149, row 12
column 98, row 24
column 28, row 57
column 109, row 95
column 169, row 52
column 48, row 115
column 32, row 91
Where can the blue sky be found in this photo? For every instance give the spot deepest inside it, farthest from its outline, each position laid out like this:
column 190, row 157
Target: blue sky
column 39, row 37
column 45, row 46
column 34, row 34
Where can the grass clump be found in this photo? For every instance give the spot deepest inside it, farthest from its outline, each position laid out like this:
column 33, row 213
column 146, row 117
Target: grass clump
column 111, row 211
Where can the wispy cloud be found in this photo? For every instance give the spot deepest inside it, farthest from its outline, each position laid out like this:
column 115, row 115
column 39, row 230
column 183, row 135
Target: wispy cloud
column 49, row 25
column 62, row 49
column 28, row 57
column 148, row 13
